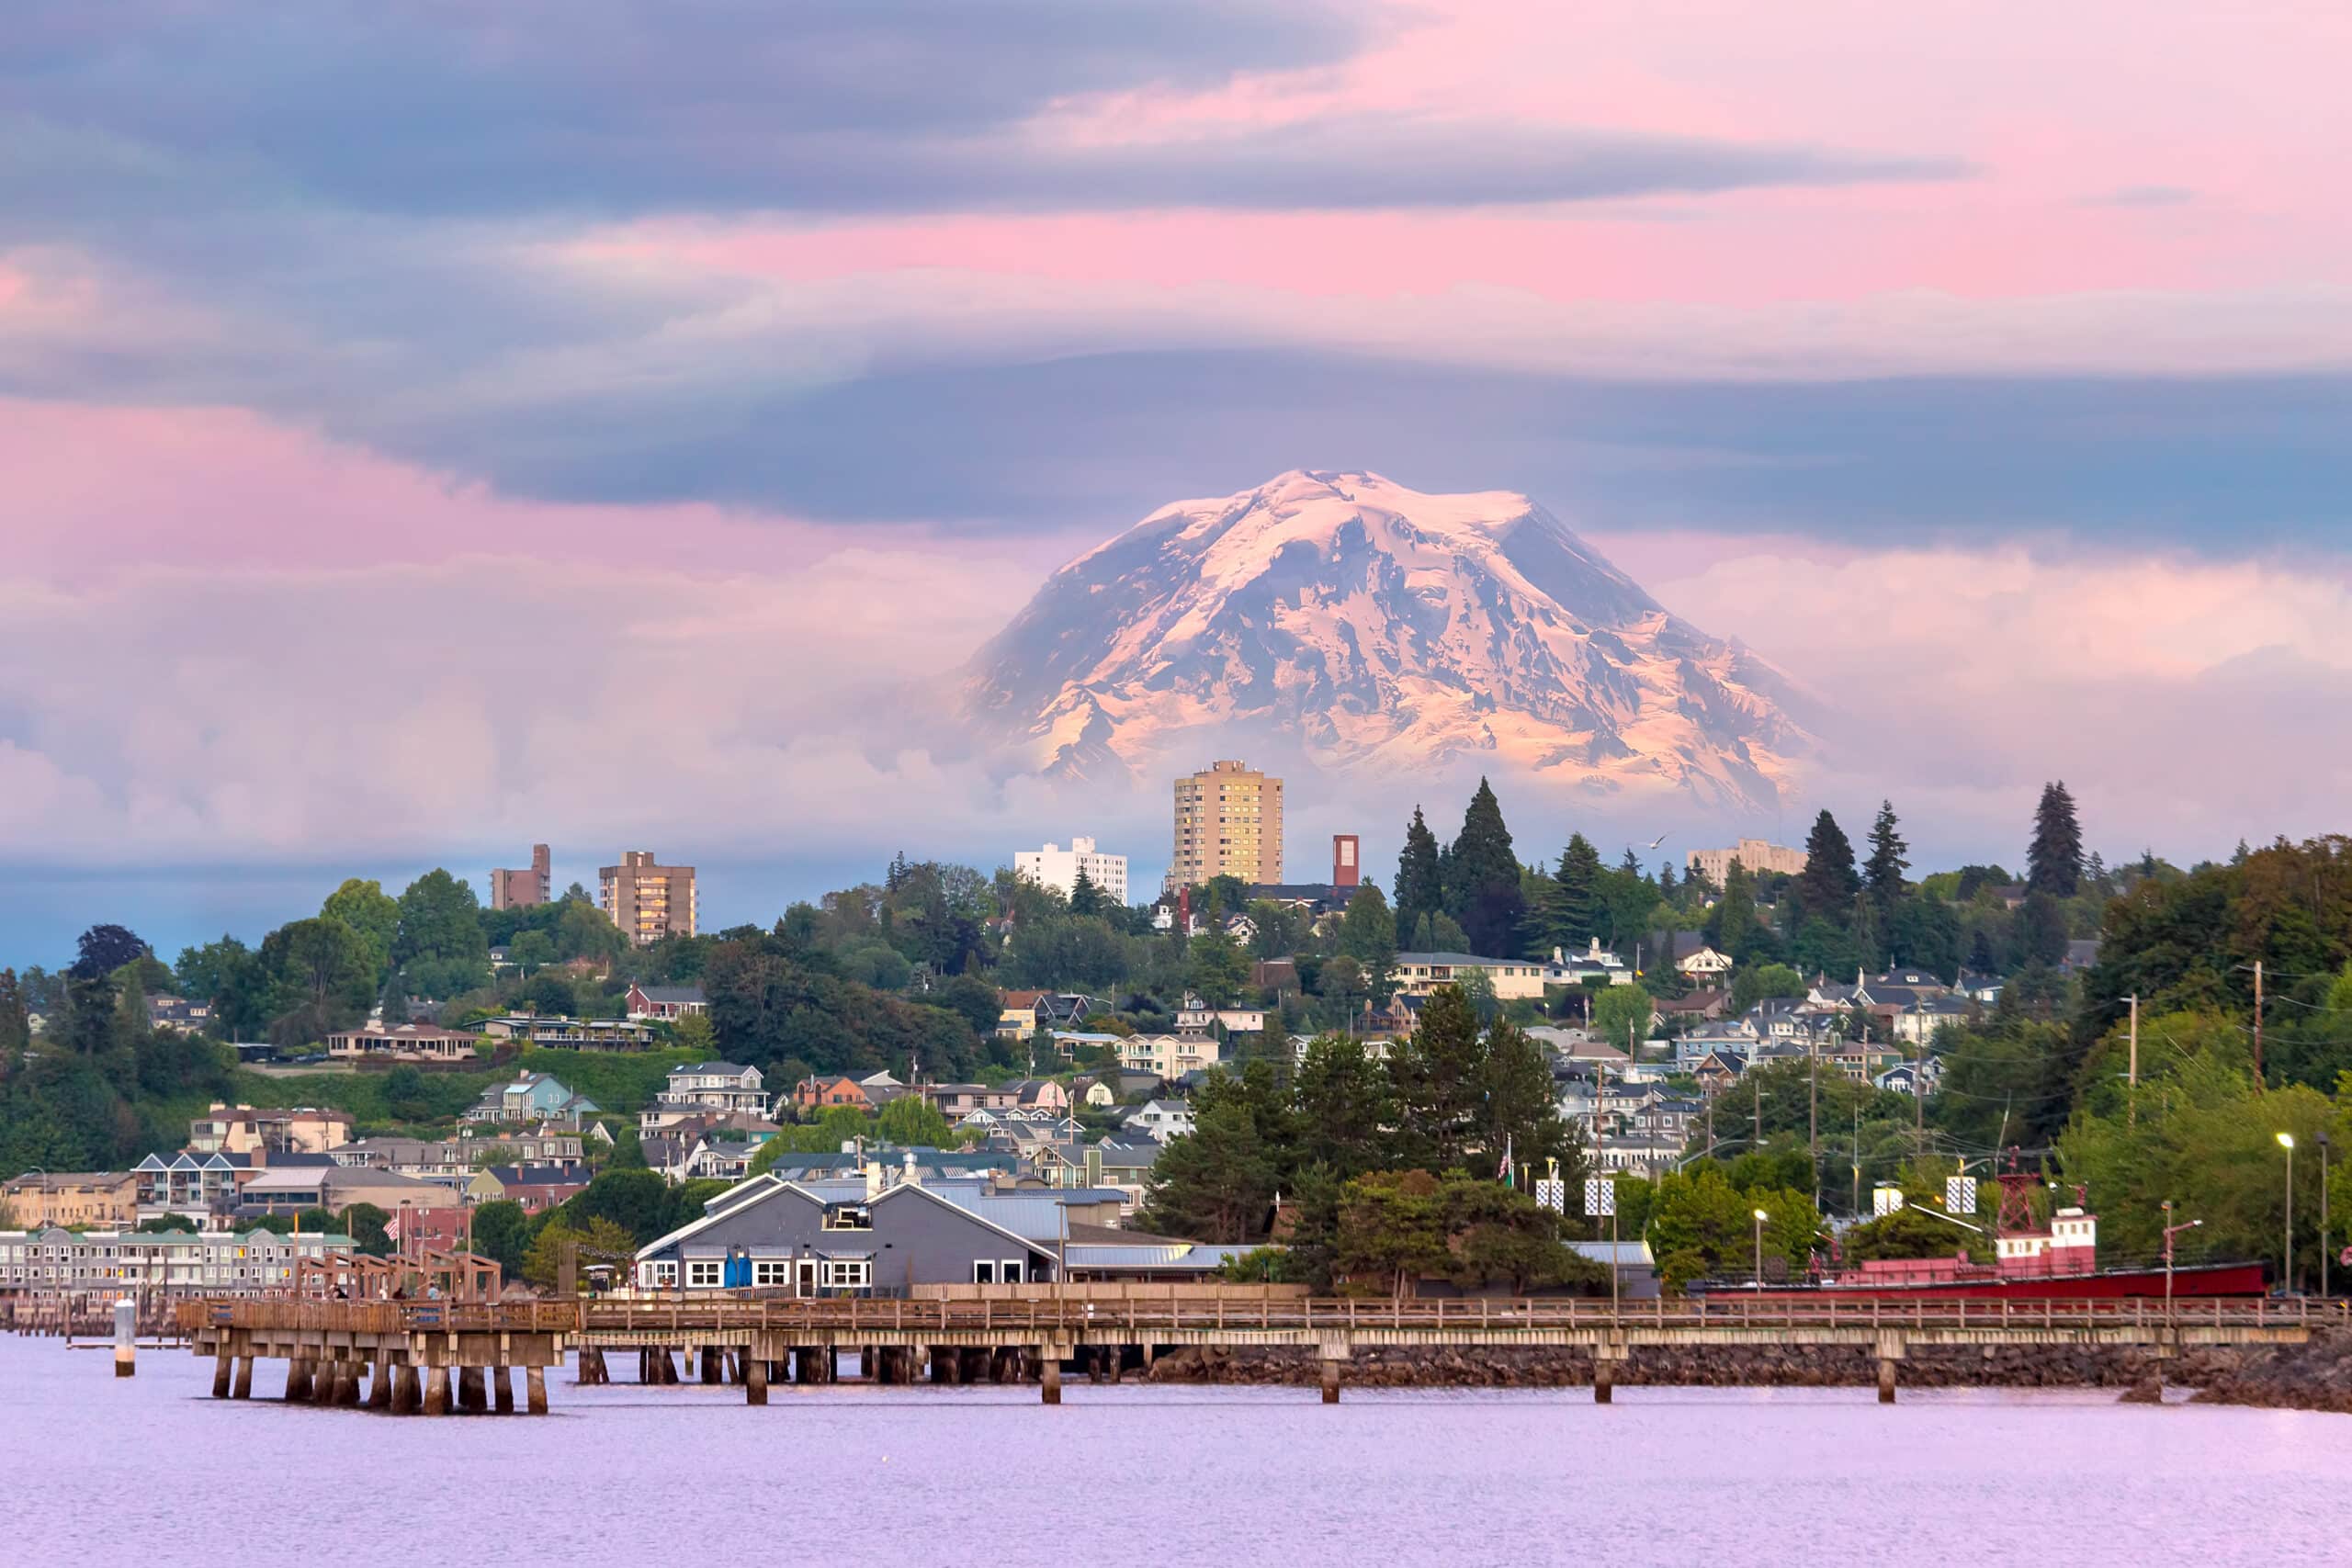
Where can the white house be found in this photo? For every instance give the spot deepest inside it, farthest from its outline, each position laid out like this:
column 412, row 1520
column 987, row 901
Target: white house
column 1163, row 1119
column 1595, row 966
column 1704, row 964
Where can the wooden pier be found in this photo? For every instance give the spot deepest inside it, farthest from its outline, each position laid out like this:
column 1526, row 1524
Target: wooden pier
column 409, row 1356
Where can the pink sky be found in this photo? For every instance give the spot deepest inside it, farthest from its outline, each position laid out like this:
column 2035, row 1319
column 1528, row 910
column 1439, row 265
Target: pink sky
column 280, row 446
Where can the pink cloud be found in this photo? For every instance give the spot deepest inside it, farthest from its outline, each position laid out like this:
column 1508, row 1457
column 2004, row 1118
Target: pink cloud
column 94, row 489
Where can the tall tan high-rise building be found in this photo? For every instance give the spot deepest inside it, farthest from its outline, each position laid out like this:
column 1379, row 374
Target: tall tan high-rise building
column 1228, row 823
column 649, row 901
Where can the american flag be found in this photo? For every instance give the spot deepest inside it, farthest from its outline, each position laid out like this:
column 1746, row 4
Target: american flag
column 392, row 1228
column 1503, row 1172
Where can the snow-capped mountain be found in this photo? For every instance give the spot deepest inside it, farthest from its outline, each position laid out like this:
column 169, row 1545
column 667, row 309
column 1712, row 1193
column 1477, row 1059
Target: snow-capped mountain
column 1378, row 627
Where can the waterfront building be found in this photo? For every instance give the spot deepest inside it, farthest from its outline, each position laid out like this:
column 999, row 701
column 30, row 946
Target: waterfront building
column 99, row 1199
column 649, row 901
column 521, row 889
column 1228, row 823
column 208, row 1263
column 1059, row 868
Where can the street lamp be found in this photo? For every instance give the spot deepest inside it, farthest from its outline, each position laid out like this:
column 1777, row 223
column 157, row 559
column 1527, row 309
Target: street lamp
column 1760, row 1217
column 2322, row 1214
column 2171, row 1231
column 2287, row 1280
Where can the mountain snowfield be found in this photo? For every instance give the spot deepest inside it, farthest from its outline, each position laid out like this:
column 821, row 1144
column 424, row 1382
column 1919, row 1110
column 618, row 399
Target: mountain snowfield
column 1378, row 628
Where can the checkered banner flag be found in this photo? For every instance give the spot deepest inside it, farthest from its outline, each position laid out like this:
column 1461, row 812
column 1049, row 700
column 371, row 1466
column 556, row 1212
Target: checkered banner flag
column 1599, row 1196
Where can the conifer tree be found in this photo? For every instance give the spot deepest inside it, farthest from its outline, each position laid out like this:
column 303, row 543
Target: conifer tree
column 1572, row 908
column 1482, row 881
column 1827, row 884
column 1420, row 888
column 1882, row 873
column 2054, row 861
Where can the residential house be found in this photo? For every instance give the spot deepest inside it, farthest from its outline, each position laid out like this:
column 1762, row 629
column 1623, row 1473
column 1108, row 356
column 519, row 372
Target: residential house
column 956, row 1099
column 1168, row 1056
column 1594, row 966
column 179, row 1014
column 1718, row 1070
column 2079, row 956
column 1161, row 1119
column 1100, row 1095
column 1042, row 1094
column 779, row 1236
column 1701, row 1006
column 537, row 1187
column 404, row 1042
column 97, row 1199
column 1125, row 1163
column 547, row 1143
column 1196, row 1018
column 821, row 1093
column 1701, row 963
column 335, row 1188
column 531, row 1097
column 666, row 1004
column 559, row 1033
column 193, row 1183
column 1905, row 1078
column 1017, row 1014
column 1514, row 979
column 1918, row 1023
column 714, row 1086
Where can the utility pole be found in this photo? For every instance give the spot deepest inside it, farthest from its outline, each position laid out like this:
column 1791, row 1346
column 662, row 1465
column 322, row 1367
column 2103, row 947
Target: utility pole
column 2133, row 1111
column 2257, row 1026
column 1857, row 1157
column 1757, row 1084
column 1813, row 1109
column 1919, row 1101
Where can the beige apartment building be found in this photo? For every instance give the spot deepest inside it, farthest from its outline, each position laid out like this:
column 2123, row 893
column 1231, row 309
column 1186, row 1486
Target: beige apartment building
column 649, row 901
column 96, row 1198
column 1228, row 823
column 1756, row 854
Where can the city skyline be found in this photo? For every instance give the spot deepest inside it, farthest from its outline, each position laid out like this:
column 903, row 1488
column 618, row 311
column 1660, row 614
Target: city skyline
column 1993, row 394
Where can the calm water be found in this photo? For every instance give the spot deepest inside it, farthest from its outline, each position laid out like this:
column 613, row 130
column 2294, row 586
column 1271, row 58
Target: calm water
column 153, row 1471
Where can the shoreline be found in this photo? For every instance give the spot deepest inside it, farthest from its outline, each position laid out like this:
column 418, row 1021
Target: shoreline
column 2315, row 1376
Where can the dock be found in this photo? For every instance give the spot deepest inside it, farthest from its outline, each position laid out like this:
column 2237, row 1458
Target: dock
column 431, row 1358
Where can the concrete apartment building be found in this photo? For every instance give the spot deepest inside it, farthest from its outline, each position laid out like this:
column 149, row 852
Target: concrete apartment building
column 1228, row 823
column 1756, row 854
column 1057, row 868
column 649, row 901
column 521, row 889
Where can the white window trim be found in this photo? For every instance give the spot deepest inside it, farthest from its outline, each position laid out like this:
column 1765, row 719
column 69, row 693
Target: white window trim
column 706, row 1273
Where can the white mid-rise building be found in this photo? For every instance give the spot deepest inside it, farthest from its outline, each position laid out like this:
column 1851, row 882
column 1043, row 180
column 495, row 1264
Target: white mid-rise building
column 1053, row 866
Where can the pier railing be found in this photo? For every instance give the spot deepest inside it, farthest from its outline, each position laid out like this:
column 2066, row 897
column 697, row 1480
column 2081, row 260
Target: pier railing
column 1045, row 1316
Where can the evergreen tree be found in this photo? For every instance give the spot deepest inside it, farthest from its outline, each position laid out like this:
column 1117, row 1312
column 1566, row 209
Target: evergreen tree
column 1632, row 865
column 1368, row 935
column 1731, row 924
column 1420, row 890
column 1085, row 899
column 1436, row 1074
column 1571, row 913
column 1828, row 886
column 394, row 1000
column 1979, row 954
column 1482, row 885
column 2054, row 863
column 1667, row 888
column 1883, row 873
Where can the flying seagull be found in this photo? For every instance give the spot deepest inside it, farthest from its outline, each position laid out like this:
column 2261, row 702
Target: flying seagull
column 1660, row 838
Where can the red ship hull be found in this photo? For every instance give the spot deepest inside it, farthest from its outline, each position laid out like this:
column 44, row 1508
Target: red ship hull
column 2188, row 1281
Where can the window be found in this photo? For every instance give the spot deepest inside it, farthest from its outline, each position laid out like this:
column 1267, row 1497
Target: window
column 765, row 1271
column 704, row 1272
column 983, row 1273
column 849, row 1272
column 662, row 1275
column 1009, row 1271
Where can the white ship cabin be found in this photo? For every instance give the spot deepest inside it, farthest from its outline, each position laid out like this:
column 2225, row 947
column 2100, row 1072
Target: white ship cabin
column 2069, row 1246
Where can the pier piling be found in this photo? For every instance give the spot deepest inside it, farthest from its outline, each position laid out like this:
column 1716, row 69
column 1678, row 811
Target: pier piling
column 1049, row 1383
column 502, row 1388
column 245, row 1389
column 534, row 1389
column 436, row 1391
